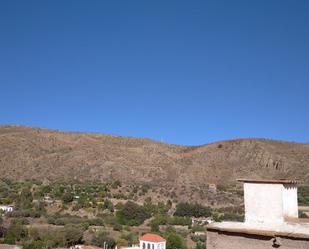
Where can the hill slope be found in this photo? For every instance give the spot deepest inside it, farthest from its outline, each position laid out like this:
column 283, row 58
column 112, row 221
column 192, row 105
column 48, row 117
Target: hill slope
column 49, row 155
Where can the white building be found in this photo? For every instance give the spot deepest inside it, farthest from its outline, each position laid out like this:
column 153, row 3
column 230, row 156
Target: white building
column 201, row 220
column 270, row 201
column 7, row 208
column 48, row 200
column 152, row 241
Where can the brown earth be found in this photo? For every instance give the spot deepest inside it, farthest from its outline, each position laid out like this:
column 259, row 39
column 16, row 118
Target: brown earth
column 32, row 153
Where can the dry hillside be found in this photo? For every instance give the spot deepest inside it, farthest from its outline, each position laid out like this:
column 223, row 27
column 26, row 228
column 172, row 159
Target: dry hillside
column 48, row 155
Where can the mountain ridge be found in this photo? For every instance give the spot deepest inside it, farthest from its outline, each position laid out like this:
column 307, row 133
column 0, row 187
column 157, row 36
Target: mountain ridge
column 147, row 138
column 45, row 154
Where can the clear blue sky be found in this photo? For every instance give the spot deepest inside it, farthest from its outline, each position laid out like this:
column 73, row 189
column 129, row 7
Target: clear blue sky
column 185, row 72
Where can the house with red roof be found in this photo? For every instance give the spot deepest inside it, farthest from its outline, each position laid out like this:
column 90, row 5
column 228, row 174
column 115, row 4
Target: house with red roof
column 152, row 241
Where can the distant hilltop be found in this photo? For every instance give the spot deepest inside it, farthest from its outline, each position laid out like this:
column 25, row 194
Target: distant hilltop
column 33, row 153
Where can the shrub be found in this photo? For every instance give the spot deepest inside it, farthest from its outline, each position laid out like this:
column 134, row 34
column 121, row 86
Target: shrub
column 67, row 197
column 196, row 210
column 117, row 227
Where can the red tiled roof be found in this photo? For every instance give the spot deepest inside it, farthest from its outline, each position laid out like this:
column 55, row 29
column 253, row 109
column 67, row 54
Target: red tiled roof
column 152, row 238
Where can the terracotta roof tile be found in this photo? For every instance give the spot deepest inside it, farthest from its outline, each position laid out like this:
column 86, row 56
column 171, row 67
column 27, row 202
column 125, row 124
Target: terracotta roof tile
column 152, row 238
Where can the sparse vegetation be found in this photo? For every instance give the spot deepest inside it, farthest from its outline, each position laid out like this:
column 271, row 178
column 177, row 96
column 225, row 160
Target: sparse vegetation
column 74, row 209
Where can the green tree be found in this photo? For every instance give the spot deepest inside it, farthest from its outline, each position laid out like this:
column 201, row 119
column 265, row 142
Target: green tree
column 196, row 210
column 132, row 214
column 174, row 241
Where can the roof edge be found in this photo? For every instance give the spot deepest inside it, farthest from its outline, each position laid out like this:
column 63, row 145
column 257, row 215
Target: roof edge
column 256, row 231
column 270, row 181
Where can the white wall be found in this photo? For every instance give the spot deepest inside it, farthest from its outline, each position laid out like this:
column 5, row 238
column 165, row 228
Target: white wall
column 270, row 202
column 263, row 203
column 6, row 208
column 290, row 203
column 158, row 245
